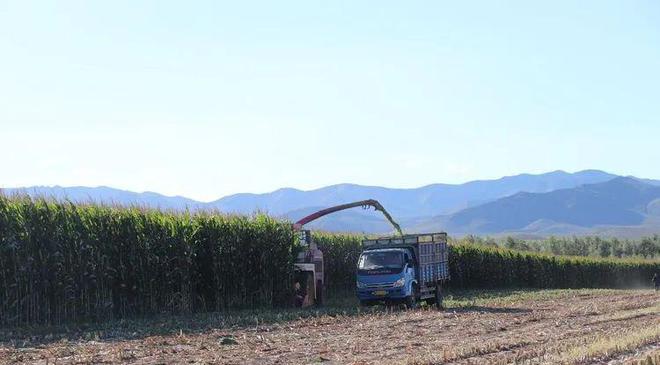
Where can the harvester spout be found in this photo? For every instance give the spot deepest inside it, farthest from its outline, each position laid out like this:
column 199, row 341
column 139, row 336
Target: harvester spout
column 364, row 203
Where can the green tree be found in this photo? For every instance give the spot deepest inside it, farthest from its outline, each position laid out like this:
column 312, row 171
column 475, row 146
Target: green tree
column 617, row 248
column 554, row 245
column 605, row 248
column 647, row 248
column 628, row 248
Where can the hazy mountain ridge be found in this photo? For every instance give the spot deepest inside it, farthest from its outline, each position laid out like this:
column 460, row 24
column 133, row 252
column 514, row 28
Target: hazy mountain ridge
column 621, row 201
column 430, row 200
column 107, row 195
column 551, row 203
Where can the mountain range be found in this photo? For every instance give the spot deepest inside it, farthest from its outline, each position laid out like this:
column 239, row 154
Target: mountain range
column 584, row 202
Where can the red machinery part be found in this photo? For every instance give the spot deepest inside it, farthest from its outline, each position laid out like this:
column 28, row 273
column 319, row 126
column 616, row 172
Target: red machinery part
column 364, row 203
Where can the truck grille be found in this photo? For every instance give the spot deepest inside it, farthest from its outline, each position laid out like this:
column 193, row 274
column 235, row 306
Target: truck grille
column 380, row 286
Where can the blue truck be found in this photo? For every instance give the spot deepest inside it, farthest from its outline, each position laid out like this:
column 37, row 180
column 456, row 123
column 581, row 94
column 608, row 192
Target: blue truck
column 403, row 269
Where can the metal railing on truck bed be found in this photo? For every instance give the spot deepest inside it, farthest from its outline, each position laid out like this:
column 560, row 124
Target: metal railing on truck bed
column 430, row 250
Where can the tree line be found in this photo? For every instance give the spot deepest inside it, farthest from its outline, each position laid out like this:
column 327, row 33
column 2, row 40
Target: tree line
column 586, row 246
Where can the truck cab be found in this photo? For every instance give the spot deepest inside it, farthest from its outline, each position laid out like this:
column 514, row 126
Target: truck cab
column 385, row 274
column 403, row 269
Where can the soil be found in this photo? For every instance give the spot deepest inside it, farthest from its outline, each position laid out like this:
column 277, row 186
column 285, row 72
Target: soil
column 536, row 330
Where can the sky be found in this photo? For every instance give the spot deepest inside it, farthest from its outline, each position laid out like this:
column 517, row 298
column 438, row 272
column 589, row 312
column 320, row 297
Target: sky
column 209, row 98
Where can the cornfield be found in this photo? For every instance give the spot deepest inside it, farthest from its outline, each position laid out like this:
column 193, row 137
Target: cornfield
column 62, row 263
column 473, row 266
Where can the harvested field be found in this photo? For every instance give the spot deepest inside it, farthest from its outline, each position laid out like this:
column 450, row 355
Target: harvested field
column 554, row 326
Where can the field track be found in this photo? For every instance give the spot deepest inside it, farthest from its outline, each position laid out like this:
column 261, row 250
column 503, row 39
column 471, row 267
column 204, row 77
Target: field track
column 558, row 326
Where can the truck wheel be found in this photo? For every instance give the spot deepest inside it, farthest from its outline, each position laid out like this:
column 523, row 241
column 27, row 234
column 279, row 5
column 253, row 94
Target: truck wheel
column 366, row 303
column 439, row 297
column 411, row 301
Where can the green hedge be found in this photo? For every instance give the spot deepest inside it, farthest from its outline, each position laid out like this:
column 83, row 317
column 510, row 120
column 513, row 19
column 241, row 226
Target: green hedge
column 61, row 262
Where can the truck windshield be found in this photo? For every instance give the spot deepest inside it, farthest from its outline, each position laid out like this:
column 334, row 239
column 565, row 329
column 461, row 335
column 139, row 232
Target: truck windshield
column 376, row 260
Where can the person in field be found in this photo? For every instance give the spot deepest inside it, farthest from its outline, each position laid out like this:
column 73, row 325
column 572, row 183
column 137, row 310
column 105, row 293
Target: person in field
column 656, row 281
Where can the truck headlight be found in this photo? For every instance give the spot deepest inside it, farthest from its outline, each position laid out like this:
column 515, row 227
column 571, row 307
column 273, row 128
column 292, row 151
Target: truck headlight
column 361, row 285
column 399, row 283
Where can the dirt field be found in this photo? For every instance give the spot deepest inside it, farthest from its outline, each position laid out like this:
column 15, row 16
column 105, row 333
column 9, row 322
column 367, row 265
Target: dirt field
column 585, row 326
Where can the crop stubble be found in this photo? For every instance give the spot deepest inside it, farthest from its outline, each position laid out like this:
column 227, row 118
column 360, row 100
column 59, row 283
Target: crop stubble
column 569, row 327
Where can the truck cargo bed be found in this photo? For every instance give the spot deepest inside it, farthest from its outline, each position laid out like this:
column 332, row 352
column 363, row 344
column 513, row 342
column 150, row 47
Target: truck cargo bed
column 430, row 250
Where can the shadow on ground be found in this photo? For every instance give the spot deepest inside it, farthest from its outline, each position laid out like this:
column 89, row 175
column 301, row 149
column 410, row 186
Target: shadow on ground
column 128, row 329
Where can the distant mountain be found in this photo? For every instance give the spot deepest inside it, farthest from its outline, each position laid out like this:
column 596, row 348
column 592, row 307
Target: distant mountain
column 652, row 182
column 106, row 195
column 552, row 203
column 621, row 201
column 426, row 201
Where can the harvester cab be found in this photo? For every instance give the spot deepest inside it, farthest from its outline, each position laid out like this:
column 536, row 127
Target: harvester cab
column 309, row 276
column 308, row 271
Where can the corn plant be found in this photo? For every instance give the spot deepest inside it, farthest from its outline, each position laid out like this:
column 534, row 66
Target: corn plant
column 478, row 266
column 61, row 262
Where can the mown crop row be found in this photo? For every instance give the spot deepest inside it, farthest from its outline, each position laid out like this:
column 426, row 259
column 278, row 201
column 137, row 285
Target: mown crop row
column 61, row 262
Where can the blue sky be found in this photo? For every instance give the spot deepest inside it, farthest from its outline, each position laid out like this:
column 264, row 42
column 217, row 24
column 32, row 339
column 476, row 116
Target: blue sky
column 205, row 99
